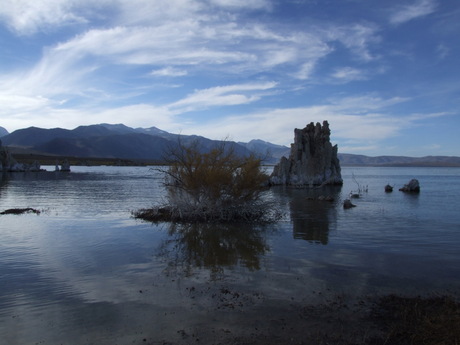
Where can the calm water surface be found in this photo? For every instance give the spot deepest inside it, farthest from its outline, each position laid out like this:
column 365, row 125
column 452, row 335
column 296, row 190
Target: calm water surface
column 85, row 272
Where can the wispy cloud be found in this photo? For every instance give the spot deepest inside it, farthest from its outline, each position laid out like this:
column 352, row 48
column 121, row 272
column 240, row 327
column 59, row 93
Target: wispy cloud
column 222, row 96
column 358, row 38
column 254, row 4
column 347, row 74
column 169, row 72
column 363, row 119
column 442, row 51
column 419, row 8
column 27, row 17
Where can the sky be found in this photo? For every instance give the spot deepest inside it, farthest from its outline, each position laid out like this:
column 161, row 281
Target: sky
column 384, row 74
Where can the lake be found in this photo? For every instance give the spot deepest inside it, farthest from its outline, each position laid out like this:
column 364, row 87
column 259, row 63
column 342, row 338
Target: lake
column 84, row 271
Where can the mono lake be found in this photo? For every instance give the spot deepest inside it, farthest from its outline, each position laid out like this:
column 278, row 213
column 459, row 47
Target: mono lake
column 85, row 272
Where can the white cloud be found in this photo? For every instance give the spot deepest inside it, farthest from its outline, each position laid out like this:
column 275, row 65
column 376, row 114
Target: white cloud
column 277, row 125
column 305, row 70
column 360, row 104
column 356, row 37
column 253, row 4
column 419, row 8
column 179, row 43
column 346, row 74
column 27, row 17
column 222, row 96
column 169, row 72
column 13, row 102
column 137, row 115
column 158, row 12
column 185, row 35
column 357, row 122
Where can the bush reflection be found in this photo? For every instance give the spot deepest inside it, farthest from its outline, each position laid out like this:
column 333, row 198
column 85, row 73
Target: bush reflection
column 215, row 246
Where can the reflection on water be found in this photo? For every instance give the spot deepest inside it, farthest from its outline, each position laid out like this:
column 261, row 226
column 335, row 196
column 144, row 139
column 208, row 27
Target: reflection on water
column 3, row 181
column 310, row 214
column 215, row 246
column 87, row 271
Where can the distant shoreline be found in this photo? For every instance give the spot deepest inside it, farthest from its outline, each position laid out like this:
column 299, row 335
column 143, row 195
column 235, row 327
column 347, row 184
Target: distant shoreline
column 346, row 160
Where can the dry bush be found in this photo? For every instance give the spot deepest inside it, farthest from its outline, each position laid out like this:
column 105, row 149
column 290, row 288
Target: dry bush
column 216, row 184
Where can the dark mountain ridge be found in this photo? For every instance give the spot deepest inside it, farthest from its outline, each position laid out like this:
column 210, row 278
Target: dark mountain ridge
column 120, row 141
column 105, row 141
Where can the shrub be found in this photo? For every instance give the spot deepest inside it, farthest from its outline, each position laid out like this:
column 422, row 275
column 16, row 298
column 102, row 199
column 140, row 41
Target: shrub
column 216, row 184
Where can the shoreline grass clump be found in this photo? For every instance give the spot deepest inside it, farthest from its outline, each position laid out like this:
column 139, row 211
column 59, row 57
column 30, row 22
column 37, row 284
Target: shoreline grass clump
column 216, row 184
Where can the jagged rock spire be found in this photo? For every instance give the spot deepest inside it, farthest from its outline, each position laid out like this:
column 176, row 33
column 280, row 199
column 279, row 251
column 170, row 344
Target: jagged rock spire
column 312, row 160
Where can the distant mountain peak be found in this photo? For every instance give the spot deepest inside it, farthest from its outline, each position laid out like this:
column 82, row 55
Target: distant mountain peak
column 119, row 127
column 3, row 132
column 263, row 142
column 152, row 130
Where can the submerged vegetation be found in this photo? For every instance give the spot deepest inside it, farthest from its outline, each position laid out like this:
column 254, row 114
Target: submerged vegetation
column 215, row 184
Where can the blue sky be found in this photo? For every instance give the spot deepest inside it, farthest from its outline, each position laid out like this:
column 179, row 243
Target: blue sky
column 385, row 74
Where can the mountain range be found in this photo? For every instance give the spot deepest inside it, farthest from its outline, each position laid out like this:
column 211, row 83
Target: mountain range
column 150, row 144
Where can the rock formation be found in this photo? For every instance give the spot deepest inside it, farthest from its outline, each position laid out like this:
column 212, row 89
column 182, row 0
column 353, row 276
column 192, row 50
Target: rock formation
column 65, row 166
column 5, row 158
column 412, row 187
column 312, row 160
column 8, row 163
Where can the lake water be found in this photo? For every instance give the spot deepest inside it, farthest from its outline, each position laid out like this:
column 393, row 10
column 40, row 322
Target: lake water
column 85, row 272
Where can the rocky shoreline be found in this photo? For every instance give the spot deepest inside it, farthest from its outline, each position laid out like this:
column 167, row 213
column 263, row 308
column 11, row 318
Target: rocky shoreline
column 377, row 320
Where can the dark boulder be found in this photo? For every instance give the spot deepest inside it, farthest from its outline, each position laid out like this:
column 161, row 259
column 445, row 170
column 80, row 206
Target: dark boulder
column 412, row 187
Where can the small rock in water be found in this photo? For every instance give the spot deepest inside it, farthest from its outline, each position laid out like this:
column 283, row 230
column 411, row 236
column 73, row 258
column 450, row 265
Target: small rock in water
column 388, row 188
column 347, row 204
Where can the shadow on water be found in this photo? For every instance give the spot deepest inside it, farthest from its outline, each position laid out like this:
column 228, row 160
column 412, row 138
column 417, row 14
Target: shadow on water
column 214, row 246
column 310, row 213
